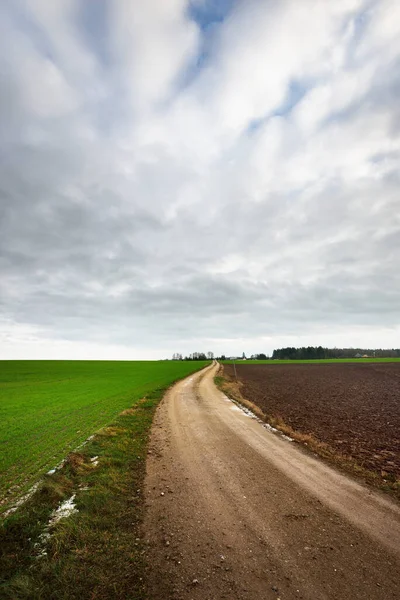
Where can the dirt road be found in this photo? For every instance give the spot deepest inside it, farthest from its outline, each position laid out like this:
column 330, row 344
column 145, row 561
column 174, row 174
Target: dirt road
column 235, row 511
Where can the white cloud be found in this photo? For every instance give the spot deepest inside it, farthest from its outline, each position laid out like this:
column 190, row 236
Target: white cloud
column 150, row 205
column 152, row 42
column 46, row 92
column 263, row 46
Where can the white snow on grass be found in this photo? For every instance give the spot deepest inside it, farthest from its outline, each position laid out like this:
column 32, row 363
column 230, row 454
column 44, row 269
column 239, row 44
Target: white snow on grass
column 33, row 489
column 66, row 509
column 22, row 500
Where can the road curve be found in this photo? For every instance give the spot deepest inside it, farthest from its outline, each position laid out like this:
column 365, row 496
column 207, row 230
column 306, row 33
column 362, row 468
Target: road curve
column 235, row 511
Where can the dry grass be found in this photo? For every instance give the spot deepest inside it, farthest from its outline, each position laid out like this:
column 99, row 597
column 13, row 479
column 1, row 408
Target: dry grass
column 111, row 431
column 128, row 411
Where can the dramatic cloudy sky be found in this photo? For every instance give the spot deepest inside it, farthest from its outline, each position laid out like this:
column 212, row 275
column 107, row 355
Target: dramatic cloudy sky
column 185, row 175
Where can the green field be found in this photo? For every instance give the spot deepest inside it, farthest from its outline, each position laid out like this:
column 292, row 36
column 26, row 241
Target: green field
column 310, row 361
column 48, row 408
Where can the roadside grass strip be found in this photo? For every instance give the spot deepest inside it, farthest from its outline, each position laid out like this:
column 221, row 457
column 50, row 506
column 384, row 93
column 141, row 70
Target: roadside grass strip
column 78, row 535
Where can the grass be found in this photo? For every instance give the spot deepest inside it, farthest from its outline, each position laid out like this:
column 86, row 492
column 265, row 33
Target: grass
column 98, row 552
column 313, row 361
column 49, row 408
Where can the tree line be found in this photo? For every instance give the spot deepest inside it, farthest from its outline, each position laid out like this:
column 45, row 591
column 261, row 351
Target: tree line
column 303, row 353
column 318, row 352
column 194, row 356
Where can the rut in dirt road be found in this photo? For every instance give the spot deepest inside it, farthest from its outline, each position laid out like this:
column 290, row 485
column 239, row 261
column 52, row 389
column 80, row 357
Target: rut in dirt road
column 237, row 512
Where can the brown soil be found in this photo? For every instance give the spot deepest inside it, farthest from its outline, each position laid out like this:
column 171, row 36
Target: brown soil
column 234, row 511
column 354, row 408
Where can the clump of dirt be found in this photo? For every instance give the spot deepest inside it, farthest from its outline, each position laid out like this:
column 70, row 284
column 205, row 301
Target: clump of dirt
column 78, row 464
column 75, row 459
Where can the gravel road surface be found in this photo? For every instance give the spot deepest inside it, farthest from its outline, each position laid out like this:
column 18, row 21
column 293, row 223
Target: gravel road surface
column 236, row 511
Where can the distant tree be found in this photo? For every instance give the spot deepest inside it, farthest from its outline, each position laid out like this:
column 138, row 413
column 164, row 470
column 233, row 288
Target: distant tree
column 198, row 356
column 210, row 355
column 318, row 353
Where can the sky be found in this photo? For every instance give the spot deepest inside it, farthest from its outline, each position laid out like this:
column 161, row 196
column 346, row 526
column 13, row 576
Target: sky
column 198, row 175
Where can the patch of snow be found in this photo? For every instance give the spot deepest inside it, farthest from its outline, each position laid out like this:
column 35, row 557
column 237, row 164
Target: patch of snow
column 89, row 439
column 242, row 409
column 40, row 546
column 33, row 489
column 56, row 468
column 65, row 509
column 270, row 428
column 274, row 430
column 22, row 500
column 249, row 413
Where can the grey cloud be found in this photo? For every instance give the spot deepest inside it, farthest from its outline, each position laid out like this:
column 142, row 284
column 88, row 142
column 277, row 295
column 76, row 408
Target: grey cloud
column 163, row 225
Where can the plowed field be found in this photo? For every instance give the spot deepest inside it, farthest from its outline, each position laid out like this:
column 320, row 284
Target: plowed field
column 354, row 408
